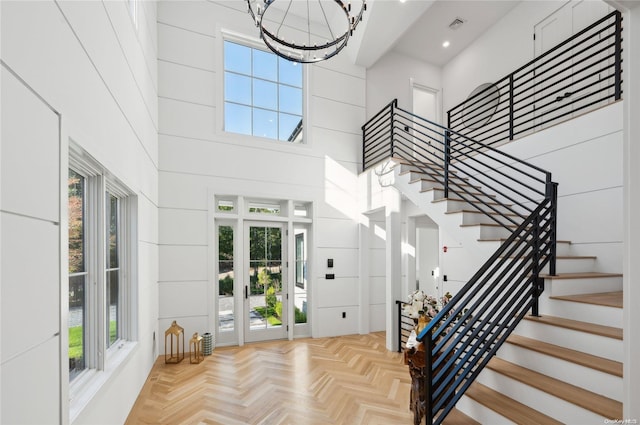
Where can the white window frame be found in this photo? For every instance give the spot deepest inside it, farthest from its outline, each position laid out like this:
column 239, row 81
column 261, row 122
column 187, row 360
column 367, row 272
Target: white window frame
column 226, row 35
column 102, row 361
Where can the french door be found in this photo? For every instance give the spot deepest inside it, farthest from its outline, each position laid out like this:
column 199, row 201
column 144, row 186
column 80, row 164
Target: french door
column 265, row 287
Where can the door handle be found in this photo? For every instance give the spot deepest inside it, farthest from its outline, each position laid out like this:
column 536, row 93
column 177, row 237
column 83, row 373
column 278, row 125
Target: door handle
column 246, row 292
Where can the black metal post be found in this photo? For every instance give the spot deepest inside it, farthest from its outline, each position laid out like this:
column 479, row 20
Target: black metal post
column 399, row 304
column 618, row 55
column 428, row 365
column 536, row 264
column 393, row 106
column 554, row 225
column 511, row 107
column 447, row 159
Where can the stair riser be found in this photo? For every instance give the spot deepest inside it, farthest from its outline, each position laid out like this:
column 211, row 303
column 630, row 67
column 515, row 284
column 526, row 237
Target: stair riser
column 492, row 232
column 597, row 345
column 584, row 285
column 572, row 265
column 480, row 197
column 590, row 313
column 480, row 218
column 454, row 205
column 562, row 249
column 541, row 401
column 581, row 376
column 481, row 413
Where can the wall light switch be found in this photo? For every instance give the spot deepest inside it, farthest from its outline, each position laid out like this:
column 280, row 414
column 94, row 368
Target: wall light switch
column 330, row 262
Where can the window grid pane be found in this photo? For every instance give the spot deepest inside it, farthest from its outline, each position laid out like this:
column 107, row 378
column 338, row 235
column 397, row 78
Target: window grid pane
column 258, row 88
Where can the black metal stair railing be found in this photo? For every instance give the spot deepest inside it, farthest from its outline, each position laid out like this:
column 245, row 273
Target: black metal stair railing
column 580, row 74
column 517, row 196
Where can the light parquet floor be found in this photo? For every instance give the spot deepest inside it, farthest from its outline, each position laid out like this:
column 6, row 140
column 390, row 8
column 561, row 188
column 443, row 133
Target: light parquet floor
column 342, row 380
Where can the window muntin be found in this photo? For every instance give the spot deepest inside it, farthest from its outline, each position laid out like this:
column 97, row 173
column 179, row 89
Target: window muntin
column 262, row 94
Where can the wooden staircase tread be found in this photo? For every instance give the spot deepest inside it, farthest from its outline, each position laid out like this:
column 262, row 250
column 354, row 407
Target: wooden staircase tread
column 456, row 417
column 468, row 201
column 607, row 299
column 603, row 406
column 592, row 328
column 594, row 362
column 508, row 407
column 583, row 275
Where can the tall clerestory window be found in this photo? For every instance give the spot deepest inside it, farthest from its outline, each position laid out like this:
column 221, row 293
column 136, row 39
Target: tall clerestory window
column 262, row 94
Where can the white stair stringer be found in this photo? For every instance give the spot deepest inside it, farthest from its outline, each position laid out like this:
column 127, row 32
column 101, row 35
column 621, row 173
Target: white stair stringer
column 468, row 236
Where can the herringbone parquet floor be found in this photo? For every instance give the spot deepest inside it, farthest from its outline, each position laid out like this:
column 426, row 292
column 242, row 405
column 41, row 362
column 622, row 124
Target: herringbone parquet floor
column 343, row 380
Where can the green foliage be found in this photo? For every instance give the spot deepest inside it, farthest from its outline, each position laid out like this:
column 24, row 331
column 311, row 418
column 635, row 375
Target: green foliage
column 278, row 309
column 301, row 316
column 75, row 342
column 225, row 286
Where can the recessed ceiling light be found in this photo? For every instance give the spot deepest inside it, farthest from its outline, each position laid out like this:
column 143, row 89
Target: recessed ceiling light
column 402, row 1
column 445, row 44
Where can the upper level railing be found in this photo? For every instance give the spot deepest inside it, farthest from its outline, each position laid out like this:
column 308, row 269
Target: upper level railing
column 516, row 195
column 582, row 73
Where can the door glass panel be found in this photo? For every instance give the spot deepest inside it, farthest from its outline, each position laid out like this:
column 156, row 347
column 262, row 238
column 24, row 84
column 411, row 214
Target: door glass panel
column 265, row 278
column 226, row 277
column 300, row 296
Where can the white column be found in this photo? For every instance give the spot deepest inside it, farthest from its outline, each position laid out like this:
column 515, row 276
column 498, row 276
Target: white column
column 393, row 260
column 364, row 273
column 631, row 95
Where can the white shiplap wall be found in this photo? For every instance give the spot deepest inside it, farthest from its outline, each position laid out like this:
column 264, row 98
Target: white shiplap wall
column 198, row 159
column 98, row 71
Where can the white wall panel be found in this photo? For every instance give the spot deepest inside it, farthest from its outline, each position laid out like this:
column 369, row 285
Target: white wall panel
column 30, row 283
column 183, row 227
column 147, row 220
column 377, row 262
column 182, row 263
column 377, row 290
column 377, row 317
column 331, row 323
column 179, row 190
column 337, row 145
column 196, row 16
column 183, row 299
column 186, row 83
column 336, row 233
column 332, row 84
column 345, row 261
column 336, row 115
column 186, row 47
column 29, row 136
column 30, row 387
column 337, row 292
column 186, row 119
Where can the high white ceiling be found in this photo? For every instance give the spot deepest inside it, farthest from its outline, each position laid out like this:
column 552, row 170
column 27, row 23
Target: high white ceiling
column 418, row 28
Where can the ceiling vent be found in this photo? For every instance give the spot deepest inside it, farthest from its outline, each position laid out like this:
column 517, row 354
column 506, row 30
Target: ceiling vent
column 457, row 23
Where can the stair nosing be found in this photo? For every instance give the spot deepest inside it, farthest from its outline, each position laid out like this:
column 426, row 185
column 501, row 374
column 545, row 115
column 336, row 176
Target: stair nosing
column 586, row 399
column 576, row 299
column 576, row 325
column 598, row 363
column 583, row 275
column 524, row 415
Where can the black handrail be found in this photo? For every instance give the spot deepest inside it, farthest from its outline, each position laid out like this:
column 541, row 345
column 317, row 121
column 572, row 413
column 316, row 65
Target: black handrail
column 518, row 196
column 581, row 73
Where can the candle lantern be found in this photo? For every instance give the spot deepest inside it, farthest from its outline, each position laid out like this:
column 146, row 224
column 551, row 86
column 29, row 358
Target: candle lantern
column 195, row 349
column 174, row 344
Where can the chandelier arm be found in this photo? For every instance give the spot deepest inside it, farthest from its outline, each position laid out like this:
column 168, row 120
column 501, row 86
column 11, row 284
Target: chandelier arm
column 286, row 12
column 326, row 20
column 308, row 23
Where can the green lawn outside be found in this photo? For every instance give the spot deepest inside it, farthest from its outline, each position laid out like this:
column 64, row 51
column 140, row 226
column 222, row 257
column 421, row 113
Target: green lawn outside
column 75, row 339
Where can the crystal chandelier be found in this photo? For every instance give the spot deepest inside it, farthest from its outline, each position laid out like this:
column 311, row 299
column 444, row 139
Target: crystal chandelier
column 306, row 31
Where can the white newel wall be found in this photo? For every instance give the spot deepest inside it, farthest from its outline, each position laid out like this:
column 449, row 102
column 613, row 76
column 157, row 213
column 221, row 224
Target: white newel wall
column 197, row 159
column 93, row 67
